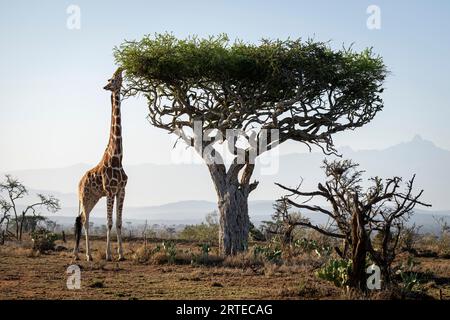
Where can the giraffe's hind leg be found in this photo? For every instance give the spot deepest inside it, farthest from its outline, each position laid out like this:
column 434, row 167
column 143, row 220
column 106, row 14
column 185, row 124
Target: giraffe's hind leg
column 119, row 207
column 87, row 207
column 78, row 226
column 88, row 246
column 110, row 206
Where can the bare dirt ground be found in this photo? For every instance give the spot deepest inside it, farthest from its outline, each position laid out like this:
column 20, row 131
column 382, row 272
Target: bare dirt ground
column 27, row 275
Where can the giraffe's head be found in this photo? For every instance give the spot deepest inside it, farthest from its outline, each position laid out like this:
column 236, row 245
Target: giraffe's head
column 115, row 83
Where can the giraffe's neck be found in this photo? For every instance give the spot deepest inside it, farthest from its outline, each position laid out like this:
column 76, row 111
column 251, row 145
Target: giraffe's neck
column 114, row 148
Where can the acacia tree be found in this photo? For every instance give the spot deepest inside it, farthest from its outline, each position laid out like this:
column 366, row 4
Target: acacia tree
column 270, row 92
column 15, row 191
column 358, row 214
column 5, row 215
column 5, row 212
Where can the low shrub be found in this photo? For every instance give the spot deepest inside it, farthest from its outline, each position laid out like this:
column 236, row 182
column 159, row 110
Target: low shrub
column 271, row 252
column 43, row 240
column 170, row 249
column 159, row 258
column 311, row 245
column 142, row 254
column 410, row 279
column 336, row 271
column 205, row 232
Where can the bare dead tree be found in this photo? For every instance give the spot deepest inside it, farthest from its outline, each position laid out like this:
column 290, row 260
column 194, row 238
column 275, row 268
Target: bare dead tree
column 5, row 216
column 358, row 213
column 272, row 92
column 389, row 210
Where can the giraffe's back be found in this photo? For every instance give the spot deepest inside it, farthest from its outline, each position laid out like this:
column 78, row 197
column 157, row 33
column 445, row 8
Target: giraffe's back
column 92, row 183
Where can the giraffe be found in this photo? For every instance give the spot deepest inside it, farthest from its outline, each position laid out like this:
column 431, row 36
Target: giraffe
column 107, row 179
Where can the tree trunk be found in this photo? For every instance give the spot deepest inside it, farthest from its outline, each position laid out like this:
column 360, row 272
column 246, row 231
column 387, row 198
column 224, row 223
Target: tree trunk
column 359, row 252
column 234, row 220
column 287, row 236
column 232, row 197
column 17, row 225
column 21, row 226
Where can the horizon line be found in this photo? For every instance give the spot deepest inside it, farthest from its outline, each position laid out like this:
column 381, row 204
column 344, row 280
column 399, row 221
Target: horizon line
column 416, row 137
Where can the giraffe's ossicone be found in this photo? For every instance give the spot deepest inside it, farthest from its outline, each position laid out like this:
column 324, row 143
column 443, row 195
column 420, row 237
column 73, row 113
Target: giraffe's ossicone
column 107, row 179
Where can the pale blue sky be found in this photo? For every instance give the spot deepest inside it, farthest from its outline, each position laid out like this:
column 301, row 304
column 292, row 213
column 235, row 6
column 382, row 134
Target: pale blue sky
column 53, row 111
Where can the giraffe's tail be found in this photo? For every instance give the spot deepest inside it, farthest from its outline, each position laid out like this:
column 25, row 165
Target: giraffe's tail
column 78, row 228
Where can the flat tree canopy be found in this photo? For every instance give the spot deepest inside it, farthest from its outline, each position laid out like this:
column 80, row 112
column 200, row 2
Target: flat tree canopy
column 303, row 91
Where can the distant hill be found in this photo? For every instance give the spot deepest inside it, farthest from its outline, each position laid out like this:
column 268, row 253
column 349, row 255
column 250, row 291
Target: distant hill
column 152, row 184
column 192, row 212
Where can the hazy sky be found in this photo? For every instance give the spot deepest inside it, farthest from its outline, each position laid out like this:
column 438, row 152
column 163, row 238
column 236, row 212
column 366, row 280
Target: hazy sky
column 54, row 112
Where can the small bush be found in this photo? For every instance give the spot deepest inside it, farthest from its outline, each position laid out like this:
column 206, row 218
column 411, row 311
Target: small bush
column 43, row 240
column 159, row 258
column 410, row 280
column 170, row 249
column 97, row 284
column 204, row 232
column 142, row 254
column 256, row 234
column 336, row 271
column 204, row 257
column 205, row 248
column 409, row 237
column 444, row 245
column 272, row 252
column 311, row 245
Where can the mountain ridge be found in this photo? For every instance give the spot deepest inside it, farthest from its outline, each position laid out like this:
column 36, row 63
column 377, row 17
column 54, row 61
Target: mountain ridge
column 157, row 184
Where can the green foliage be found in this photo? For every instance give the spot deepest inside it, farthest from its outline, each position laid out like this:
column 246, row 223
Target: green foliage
column 170, row 249
column 255, row 233
column 213, row 79
column 205, row 248
column 272, row 252
column 336, row 271
column 410, row 280
column 204, row 257
column 205, row 232
column 22, row 221
column 43, row 240
column 311, row 245
column 278, row 65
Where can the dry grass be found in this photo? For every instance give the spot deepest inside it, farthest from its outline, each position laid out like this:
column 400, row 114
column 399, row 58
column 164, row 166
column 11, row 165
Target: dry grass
column 147, row 274
column 243, row 261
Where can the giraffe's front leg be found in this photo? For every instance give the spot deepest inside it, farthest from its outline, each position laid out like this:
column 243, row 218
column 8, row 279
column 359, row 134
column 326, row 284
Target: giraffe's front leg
column 110, row 205
column 119, row 207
